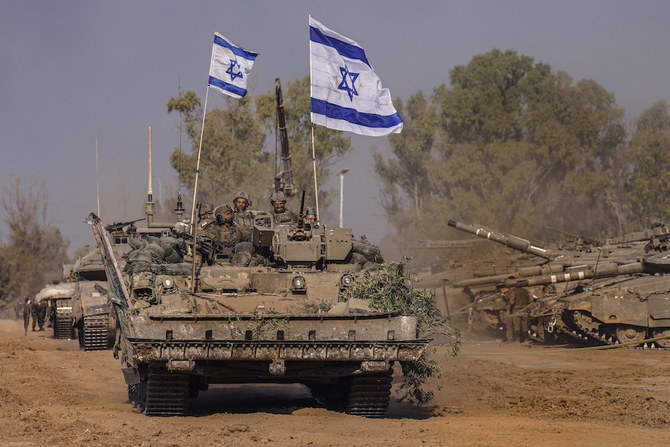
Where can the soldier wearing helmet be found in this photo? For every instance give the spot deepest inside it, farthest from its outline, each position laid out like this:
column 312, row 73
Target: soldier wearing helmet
column 229, row 233
column 205, row 217
column 243, row 219
column 280, row 213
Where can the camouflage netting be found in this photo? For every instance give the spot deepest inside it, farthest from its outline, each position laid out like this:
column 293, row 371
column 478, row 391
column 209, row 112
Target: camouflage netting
column 388, row 289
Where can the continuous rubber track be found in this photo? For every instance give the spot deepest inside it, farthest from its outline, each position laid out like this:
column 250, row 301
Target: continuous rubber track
column 369, row 395
column 94, row 336
column 160, row 393
column 63, row 327
column 584, row 328
column 167, row 394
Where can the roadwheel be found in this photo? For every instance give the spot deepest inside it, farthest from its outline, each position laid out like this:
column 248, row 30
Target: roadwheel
column 626, row 333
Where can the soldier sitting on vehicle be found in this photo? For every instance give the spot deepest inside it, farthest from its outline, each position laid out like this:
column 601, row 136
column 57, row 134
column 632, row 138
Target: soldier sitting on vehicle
column 243, row 219
column 205, row 215
column 310, row 217
column 280, row 214
column 228, row 232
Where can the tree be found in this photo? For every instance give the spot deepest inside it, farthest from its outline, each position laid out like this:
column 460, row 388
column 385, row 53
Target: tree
column 232, row 158
column 650, row 182
column 526, row 147
column 330, row 144
column 36, row 250
column 410, row 169
column 512, row 145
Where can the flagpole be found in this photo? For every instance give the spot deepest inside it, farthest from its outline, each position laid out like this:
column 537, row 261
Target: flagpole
column 197, row 167
column 316, row 189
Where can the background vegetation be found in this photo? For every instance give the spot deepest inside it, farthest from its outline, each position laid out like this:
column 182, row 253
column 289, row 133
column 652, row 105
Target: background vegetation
column 508, row 144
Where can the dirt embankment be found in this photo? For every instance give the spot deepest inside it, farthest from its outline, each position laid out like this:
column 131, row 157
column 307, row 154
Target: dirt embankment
column 491, row 394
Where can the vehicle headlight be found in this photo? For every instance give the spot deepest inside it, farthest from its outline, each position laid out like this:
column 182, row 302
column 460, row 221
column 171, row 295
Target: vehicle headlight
column 298, row 282
column 347, row 280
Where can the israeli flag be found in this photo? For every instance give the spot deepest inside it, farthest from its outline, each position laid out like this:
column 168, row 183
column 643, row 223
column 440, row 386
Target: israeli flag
column 346, row 93
column 230, row 66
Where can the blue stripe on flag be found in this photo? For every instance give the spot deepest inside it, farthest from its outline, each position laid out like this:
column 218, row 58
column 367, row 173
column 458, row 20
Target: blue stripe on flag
column 354, row 116
column 344, row 48
column 226, row 86
column 240, row 52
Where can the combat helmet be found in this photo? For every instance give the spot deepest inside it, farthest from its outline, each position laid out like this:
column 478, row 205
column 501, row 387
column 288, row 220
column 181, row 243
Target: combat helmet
column 242, row 195
column 205, row 208
column 278, row 196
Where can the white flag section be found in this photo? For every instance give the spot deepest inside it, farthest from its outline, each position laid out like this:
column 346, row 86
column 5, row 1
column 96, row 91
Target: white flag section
column 230, row 67
column 346, row 93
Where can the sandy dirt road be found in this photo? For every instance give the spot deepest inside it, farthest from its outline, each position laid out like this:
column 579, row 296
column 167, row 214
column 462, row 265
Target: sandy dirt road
column 52, row 394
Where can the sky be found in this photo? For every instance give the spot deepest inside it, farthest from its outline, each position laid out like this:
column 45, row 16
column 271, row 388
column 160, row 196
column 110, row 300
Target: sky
column 74, row 70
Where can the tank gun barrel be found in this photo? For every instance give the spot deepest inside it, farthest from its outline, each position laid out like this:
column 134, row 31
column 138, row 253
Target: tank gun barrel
column 607, row 270
column 524, row 272
column 510, row 241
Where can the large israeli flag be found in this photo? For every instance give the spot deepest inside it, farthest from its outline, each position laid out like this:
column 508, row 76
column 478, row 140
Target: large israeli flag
column 230, row 66
column 346, row 92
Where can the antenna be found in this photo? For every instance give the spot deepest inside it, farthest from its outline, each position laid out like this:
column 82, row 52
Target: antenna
column 97, row 173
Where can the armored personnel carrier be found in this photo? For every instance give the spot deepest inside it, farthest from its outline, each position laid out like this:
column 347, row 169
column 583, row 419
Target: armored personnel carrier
column 59, row 299
column 91, row 311
column 280, row 321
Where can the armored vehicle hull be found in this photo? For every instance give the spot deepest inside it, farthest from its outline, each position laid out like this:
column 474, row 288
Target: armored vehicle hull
column 280, row 322
column 629, row 311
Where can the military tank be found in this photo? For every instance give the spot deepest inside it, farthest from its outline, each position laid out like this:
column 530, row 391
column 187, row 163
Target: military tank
column 59, row 299
column 563, row 275
column 278, row 321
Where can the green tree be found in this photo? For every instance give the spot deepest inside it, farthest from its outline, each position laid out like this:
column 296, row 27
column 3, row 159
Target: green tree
column 407, row 178
column 232, row 156
column 329, row 144
column 526, row 147
column 649, row 149
column 512, row 145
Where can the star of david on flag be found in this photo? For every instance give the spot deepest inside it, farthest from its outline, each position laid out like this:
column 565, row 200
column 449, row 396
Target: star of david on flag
column 229, row 67
column 346, row 93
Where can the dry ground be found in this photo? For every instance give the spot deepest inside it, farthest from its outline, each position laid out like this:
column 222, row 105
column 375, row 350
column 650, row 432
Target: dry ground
column 491, row 394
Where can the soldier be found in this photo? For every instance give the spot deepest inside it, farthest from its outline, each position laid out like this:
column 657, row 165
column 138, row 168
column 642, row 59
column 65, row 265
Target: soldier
column 229, row 234
column 516, row 325
column 310, row 217
column 26, row 315
column 38, row 310
column 243, row 219
column 205, row 216
column 280, row 213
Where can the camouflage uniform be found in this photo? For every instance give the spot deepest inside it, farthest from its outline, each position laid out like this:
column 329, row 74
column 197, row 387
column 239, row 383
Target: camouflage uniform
column 243, row 219
column 285, row 216
column 516, row 326
column 38, row 310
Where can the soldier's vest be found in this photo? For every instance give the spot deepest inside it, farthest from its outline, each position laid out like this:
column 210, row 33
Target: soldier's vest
column 287, row 217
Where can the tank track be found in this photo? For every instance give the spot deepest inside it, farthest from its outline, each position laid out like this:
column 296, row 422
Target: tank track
column 369, row 395
column 586, row 329
column 161, row 393
column 62, row 324
column 94, row 333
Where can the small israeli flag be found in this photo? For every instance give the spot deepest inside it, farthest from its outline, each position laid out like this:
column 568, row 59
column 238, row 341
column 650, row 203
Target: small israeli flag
column 346, row 93
column 230, row 66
